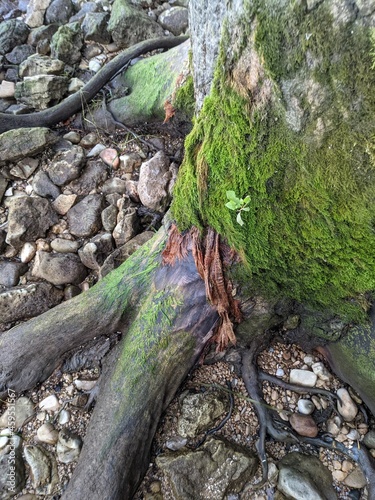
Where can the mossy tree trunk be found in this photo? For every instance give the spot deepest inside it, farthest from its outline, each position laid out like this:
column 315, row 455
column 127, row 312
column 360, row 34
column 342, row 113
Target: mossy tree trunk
column 288, row 119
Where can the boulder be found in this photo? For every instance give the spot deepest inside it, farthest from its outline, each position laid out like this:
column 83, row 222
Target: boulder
column 154, row 177
column 67, row 42
column 12, row 33
column 19, row 143
column 59, row 268
column 41, row 91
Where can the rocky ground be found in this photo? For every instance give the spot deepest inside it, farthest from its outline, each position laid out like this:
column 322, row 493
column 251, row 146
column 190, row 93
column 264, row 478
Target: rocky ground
column 75, row 204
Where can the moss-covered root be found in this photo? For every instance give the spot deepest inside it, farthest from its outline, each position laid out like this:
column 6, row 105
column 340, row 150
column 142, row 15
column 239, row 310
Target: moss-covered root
column 139, row 380
column 31, row 351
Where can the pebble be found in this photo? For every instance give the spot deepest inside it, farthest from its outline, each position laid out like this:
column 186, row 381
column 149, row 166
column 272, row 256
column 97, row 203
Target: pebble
column 346, row 466
column 68, row 447
column 175, row 443
column 89, row 140
column 110, row 157
column 339, row 475
column 3, row 441
column 28, row 252
column 73, row 137
column 308, row 360
column 85, row 385
column 64, row 417
column 321, row 371
column 353, row 435
column 96, row 150
column 280, row 372
column 47, row 434
column 305, row 406
column 50, row 403
column 63, row 203
column 347, row 408
column 369, row 439
column 355, row 479
column 303, row 377
column 304, row 425
column 333, row 427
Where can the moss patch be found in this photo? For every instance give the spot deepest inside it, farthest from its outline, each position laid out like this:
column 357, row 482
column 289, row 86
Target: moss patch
column 309, row 233
column 184, row 99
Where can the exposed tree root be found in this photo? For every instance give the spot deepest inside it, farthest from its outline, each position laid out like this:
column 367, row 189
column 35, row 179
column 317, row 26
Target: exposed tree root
column 270, row 424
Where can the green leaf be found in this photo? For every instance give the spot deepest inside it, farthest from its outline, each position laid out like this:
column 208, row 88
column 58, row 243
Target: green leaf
column 231, row 205
column 245, row 209
column 246, row 200
column 239, row 219
column 231, row 195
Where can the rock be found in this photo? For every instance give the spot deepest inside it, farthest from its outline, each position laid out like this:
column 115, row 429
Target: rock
column 20, row 54
column 27, row 252
column 85, row 218
column 305, row 406
column 66, row 165
column 174, row 20
column 303, row 377
column 64, row 417
column 110, row 157
column 321, row 371
column 353, row 435
column 355, row 479
column 42, row 34
column 369, row 439
column 44, row 187
column 12, row 33
column 35, row 12
column 66, row 43
column 43, row 469
column 212, row 472
column 175, row 443
column 47, row 434
column 2, row 240
column 95, row 27
column 304, row 476
column 89, row 140
column 132, row 191
column 279, row 372
column 109, row 218
column 129, row 25
column 68, row 447
column 126, row 227
column 64, row 202
column 85, row 385
column 154, row 177
column 10, row 273
column 94, row 174
column 96, row 150
column 11, row 481
column 25, row 168
column 59, row 268
column 65, row 246
column 94, row 253
column 114, row 185
column 304, row 425
column 41, row 91
column 85, row 9
column 28, row 301
column 59, row 12
column 199, row 412
column 23, row 409
column 347, row 408
column 28, row 219
column 7, row 89
column 72, row 137
column 38, row 64
column 19, row 143
column 339, row 475
column 50, row 403
column 130, row 162
column 4, row 440
column 121, row 254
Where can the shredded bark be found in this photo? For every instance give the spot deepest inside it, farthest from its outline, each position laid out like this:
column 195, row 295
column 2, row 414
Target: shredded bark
column 208, row 256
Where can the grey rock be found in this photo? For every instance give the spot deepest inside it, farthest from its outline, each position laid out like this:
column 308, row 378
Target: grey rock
column 369, row 439
column 94, row 253
column 109, row 218
column 66, row 165
column 305, row 378
column 154, row 177
column 72, row 137
column 20, row 54
column 179, row 3
column 3, row 187
column 44, row 187
column 22, row 410
column 174, row 20
column 129, row 25
column 42, row 34
column 199, row 412
column 38, row 64
column 365, row 7
column 71, row 291
column 175, row 443
column 12, row 33
column 304, row 476
column 67, row 42
column 94, row 27
column 347, row 407
column 28, row 219
column 217, row 469
column 59, row 268
column 43, row 469
column 127, row 226
column 94, row 173
column 10, row 273
column 355, row 479
column 114, row 185
column 130, row 162
column 25, row 168
column 68, row 447
column 2, row 240
column 59, row 12
column 306, row 406
column 35, row 12
column 40, row 91
column 64, row 417
column 85, row 218
column 12, row 484
column 122, row 253
column 86, row 8
column 19, row 143
column 28, row 301
column 65, row 246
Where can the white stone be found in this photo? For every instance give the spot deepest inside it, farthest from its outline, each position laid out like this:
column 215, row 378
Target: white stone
column 308, row 360
column 353, row 435
column 95, row 65
column 321, row 371
column 28, row 252
column 47, row 434
column 7, row 89
column 280, row 372
column 64, row 417
column 75, row 85
column 303, row 377
column 85, row 385
column 50, row 403
column 347, row 408
column 305, row 406
column 3, row 441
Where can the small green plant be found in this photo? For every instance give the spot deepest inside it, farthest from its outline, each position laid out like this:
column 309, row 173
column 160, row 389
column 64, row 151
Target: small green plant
column 238, row 205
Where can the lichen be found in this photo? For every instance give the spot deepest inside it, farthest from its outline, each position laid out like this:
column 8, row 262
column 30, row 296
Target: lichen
column 309, row 234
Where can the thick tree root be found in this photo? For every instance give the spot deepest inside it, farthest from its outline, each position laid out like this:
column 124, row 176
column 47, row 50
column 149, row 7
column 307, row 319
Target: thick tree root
column 271, row 425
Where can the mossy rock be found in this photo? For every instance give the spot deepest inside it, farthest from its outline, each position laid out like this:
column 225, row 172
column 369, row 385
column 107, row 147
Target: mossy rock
column 151, row 82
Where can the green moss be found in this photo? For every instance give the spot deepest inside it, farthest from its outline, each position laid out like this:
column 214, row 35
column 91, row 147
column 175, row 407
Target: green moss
column 184, row 99
column 310, row 232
